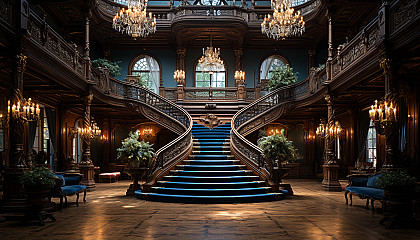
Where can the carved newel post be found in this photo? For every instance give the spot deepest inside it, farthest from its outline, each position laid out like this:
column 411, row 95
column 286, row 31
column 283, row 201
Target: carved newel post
column 330, row 167
column 86, row 166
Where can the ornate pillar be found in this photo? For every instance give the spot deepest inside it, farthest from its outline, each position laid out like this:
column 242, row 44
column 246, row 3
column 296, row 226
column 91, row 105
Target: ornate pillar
column 330, row 167
column 86, row 52
column 330, row 45
column 86, row 166
column 17, row 164
column 240, row 74
column 239, row 60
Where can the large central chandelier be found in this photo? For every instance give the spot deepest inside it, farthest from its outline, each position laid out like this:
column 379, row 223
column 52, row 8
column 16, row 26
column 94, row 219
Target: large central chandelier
column 134, row 20
column 285, row 22
column 211, row 60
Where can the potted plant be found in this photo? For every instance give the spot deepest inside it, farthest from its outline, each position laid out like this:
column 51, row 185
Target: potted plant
column 398, row 188
column 37, row 185
column 40, row 179
column 113, row 67
column 137, row 154
column 280, row 151
column 280, row 77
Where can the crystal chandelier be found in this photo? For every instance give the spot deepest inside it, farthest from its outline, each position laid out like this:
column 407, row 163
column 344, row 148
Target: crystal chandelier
column 285, row 21
column 210, row 59
column 134, row 20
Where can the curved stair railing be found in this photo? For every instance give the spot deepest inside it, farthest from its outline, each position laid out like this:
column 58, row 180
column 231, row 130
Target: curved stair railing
column 157, row 109
column 259, row 113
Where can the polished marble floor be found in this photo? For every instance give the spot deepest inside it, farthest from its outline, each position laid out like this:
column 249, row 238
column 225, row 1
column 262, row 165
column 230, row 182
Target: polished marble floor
column 310, row 214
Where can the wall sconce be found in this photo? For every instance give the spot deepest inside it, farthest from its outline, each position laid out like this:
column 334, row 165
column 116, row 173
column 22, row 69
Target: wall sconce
column 179, row 77
column 147, row 132
column 103, row 138
column 308, row 136
column 239, row 77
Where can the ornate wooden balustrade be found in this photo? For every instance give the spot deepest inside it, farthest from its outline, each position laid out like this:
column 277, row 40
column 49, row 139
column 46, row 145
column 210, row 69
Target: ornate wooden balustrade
column 157, row 109
column 206, row 93
column 177, row 10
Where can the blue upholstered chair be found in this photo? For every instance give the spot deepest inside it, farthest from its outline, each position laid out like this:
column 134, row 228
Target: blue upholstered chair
column 69, row 185
column 365, row 187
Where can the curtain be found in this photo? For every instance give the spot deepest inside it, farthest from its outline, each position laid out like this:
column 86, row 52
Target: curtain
column 265, row 67
column 403, row 119
column 364, row 122
column 51, row 121
column 154, row 73
column 32, row 132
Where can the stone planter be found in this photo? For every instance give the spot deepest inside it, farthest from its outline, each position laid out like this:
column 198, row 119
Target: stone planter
column 136, row 173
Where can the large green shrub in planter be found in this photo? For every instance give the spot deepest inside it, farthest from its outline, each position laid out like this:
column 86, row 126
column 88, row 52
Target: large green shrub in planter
column 135, row 152
column 396, row 180
column 280, row 77
column 113, row 67
column 39, row 179
column 277, row 148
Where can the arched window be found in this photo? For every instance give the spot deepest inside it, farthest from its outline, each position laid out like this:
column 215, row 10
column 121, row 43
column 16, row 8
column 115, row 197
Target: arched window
column 204, row 76
column 148, row 69
column 270, row 64
column 371, row 144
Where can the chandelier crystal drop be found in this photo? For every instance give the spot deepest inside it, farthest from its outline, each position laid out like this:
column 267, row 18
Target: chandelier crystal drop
column 211, row 58
column 285, row 21
column 134, row 20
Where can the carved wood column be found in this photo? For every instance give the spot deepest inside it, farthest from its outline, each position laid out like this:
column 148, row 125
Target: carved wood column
column 16, row 161
column 86, row 52
column 330, row 45
column 86, row 166
column 239, row 66
column 330, row 167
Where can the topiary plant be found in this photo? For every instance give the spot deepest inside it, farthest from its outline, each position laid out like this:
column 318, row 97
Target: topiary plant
column 277, row 148
column 113, row 67
column 39, row 179
column 396, row 180
column 135, row 152
column 280, row 77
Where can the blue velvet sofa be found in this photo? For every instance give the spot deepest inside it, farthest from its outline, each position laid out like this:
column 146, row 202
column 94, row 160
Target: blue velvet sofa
column 365, row 187
column 69, row 185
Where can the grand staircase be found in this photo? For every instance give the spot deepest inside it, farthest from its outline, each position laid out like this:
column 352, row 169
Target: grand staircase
column 211, row 174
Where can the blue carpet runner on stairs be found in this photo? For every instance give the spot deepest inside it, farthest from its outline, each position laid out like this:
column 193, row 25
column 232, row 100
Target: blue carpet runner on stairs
column 210, row 174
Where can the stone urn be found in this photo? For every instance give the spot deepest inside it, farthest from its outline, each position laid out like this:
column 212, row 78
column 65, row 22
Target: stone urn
column 136, row 173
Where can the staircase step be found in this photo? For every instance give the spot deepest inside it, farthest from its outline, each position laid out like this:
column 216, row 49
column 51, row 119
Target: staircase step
column 209, row 199
column 210, row 162
column 211, row 148
column 210, row 136
column 211, row 157
column 210, row 167
column 209, row 184
column 216, row 140
column 206, row 152
column 211, row 192
column 212, row 179
column 211, row 173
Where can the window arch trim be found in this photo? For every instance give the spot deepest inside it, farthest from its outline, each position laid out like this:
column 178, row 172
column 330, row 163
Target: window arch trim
column 283, row 58
column 140, row 56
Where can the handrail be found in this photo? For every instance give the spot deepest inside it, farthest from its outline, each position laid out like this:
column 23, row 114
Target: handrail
column 247, row 151
column 151, row 103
